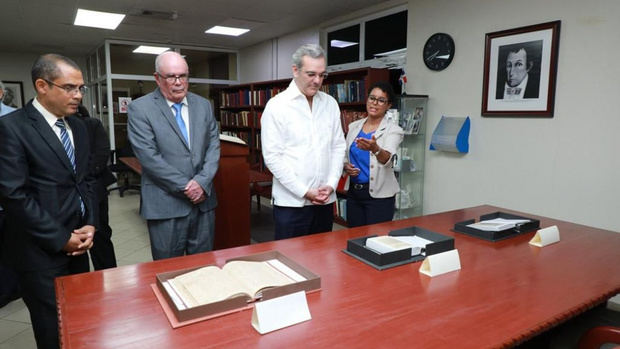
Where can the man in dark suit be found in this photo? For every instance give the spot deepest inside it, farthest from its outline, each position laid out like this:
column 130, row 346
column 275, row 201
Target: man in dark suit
column 174, row 135
column 46, row 191
column 102, row 254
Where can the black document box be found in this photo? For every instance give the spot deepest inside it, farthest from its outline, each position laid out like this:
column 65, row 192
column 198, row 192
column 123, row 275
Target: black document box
column 357, row 248
column 462, row 227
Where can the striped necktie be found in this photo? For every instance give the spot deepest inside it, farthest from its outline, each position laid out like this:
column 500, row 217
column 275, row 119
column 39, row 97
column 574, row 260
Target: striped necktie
column 66, row 143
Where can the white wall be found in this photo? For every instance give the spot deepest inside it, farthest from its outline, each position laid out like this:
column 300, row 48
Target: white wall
column 16, row 67
column 567, row 167
column 255, row 62
column 271, row 60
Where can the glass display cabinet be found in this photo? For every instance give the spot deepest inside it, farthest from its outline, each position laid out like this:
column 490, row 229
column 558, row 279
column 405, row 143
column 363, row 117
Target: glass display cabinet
column 409, row 164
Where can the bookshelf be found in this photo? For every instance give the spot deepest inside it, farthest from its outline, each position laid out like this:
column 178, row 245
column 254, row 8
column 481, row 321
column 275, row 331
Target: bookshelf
column 241, row 107
column 240, row 110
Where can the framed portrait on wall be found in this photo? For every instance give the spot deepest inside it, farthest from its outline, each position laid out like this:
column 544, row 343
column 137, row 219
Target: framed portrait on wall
column 520, row 67
column 14, row 94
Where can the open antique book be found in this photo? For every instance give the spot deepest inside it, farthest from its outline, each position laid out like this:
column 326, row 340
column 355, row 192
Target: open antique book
column 236, row 278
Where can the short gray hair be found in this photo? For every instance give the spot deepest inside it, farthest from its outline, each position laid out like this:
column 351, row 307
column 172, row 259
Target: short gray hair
column 1, row 86
column 310, row 50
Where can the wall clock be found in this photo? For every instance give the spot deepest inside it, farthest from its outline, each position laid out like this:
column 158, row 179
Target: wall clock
column 438, row 51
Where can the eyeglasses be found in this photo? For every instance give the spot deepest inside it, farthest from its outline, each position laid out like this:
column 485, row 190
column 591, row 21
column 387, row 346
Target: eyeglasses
column 171, row 79
column 312, row 75
column 70, row 89
column 378, row 100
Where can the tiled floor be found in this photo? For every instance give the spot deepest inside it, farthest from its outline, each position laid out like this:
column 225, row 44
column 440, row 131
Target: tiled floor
column 131, row 243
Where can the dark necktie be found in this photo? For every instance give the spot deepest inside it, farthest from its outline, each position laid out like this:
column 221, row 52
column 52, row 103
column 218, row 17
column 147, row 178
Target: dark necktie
column 177, row 107
column 66, row 143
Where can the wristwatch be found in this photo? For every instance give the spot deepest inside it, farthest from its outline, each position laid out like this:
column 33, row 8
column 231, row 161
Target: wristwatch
column 377, row 152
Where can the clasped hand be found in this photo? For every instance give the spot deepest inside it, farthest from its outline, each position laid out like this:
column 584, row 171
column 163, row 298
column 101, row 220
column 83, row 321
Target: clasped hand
column 81, row 240
column 351, row 170
column 320, row 195
column 194, row 192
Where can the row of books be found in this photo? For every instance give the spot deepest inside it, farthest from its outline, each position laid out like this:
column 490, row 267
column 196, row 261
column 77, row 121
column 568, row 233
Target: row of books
column 348, row 116
column 242, row 118
column 248, row 97
column 348, row 91
column 229, row 118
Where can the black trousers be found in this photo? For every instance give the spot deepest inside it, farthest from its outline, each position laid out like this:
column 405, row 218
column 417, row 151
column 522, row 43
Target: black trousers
column 362, row 209
column 299, row 221
column 40, row 298
column 102, row 253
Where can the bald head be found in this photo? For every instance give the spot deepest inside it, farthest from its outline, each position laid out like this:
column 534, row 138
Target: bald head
column 171, row 75
column 166, row 58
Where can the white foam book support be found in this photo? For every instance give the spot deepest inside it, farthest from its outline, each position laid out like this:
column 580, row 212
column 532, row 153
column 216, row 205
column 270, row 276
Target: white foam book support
column 280, row 312
column 441, row 263
column 546, row 236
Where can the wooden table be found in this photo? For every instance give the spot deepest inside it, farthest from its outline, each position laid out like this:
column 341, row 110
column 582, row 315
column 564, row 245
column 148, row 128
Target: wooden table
column 505, row 293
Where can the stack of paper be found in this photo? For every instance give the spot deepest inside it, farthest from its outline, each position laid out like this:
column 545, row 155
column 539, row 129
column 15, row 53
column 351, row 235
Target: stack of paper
column 385, row 244
column 497, row 224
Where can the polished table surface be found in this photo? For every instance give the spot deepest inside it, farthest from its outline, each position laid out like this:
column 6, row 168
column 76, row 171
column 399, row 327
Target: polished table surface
column 505, row 293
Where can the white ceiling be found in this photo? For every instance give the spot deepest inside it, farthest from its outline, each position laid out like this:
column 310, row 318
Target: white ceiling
column 39, row 26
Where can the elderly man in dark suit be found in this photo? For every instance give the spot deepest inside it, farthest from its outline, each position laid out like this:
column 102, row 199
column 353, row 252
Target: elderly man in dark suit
column 46, row 191
column 174, row 135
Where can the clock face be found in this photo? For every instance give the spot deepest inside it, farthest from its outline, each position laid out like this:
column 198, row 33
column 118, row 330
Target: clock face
column 438, row 51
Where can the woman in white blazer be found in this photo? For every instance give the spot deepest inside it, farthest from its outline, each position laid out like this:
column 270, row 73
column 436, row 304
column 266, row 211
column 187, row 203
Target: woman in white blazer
column 371, row 146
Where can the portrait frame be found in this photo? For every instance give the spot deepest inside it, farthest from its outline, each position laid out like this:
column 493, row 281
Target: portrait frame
column 509, row 96
column 17, row 89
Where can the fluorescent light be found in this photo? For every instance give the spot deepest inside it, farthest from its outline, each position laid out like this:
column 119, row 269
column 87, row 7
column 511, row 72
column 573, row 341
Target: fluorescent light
column 227, row 31
column 96, row 19
column 154, row 50
column 341, row 44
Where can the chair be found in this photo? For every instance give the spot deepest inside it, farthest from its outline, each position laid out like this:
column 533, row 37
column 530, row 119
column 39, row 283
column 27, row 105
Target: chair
column 122, row 171
column 260, row 185
column 597, row 336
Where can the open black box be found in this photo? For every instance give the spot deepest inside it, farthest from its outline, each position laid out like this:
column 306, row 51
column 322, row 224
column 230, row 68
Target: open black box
column 357, row 248
column 462, row 227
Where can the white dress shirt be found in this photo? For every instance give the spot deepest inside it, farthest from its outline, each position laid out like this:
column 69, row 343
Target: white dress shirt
column 51, row 120
column 5, row 109
column 303, row 148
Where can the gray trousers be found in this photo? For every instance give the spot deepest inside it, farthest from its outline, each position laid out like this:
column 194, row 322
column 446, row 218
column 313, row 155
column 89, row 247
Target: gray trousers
column 179, row 236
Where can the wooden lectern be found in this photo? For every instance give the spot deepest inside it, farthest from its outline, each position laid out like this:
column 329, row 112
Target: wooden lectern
column 232, row 215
